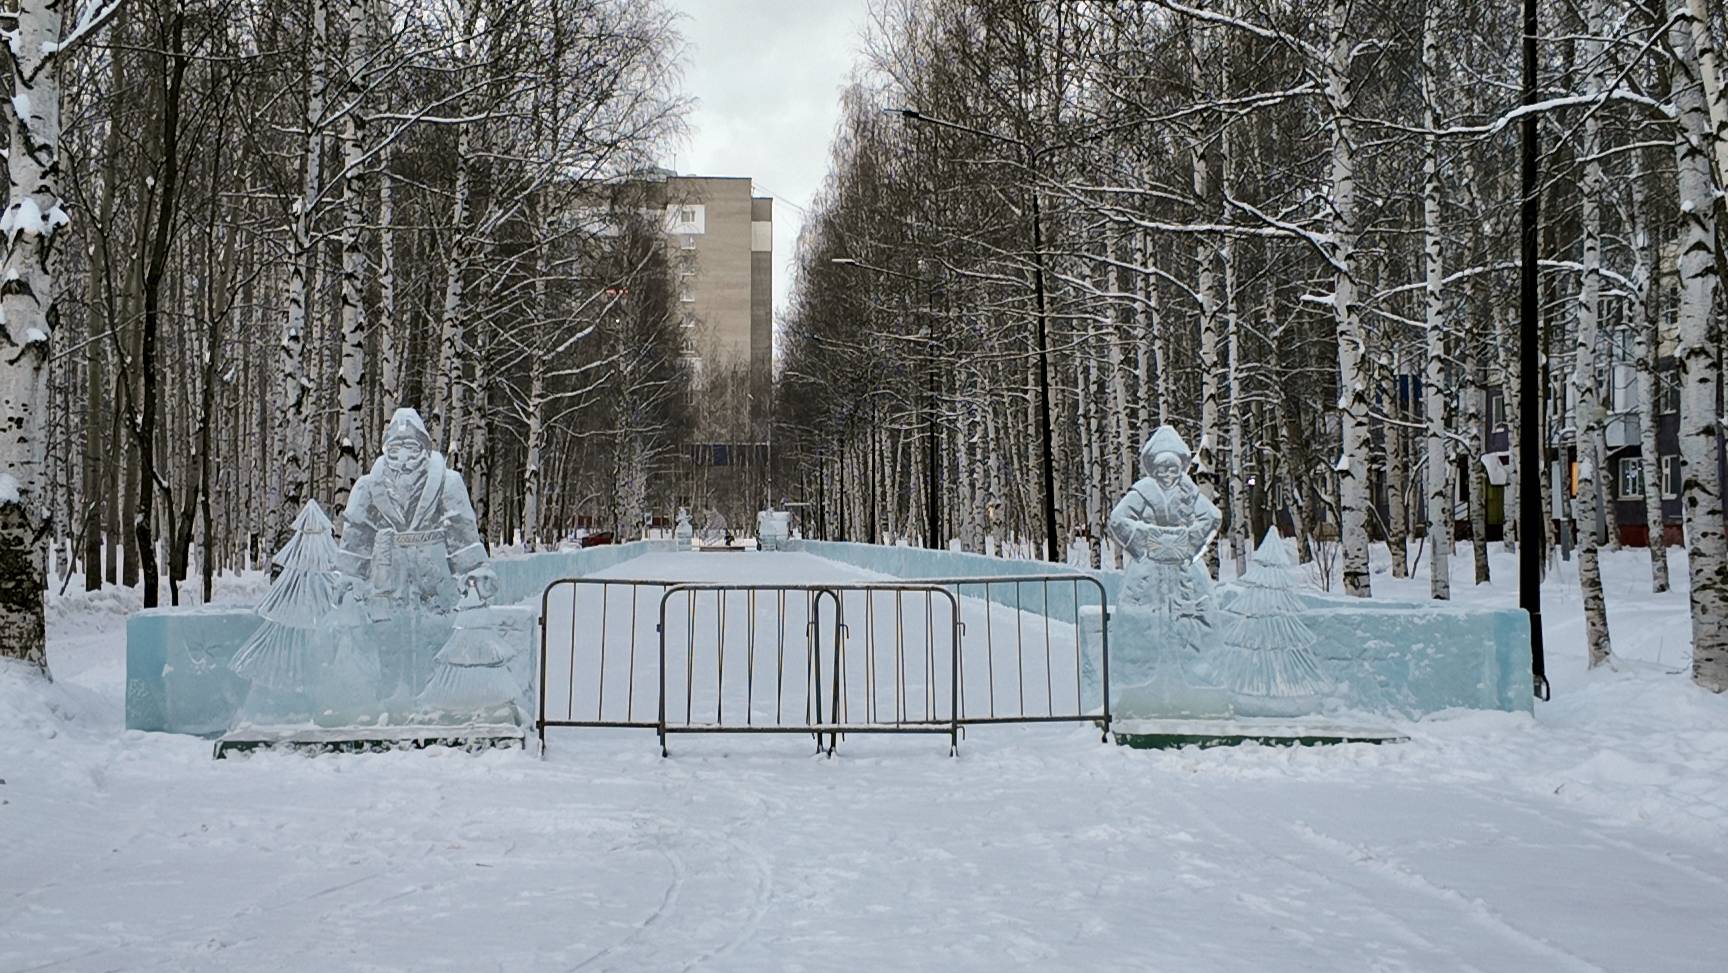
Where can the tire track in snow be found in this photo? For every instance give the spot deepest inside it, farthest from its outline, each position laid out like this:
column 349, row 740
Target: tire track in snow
column 655, row 941
column 1378, row 862
column 1659, row 858
column 1206, row 820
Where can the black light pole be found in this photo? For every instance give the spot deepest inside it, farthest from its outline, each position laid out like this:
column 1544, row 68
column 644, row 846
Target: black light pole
column 1046, row 433
column 1532, row 428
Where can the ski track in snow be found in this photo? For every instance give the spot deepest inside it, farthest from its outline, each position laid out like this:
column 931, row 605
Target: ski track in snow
column 1590, row 838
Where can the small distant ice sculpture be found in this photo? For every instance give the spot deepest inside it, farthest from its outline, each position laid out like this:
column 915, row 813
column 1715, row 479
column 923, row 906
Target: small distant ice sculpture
column 683, row 531
column 773, row 529
column 714, row 530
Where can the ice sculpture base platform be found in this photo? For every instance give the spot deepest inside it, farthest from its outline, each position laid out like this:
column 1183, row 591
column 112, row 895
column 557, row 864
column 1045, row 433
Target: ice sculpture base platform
column 1171, row 734
column 476, row 736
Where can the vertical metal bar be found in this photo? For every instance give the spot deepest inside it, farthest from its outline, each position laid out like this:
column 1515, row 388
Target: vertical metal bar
column 839, row 669
column 630, row 687
column 955, row 688
column 899, row 656
column 750, row 658
column 1079, row 705
column 570, row 700
column 990, row 644
column 690, row 657
column 1049, row 691
column 812, row 713
column 540, row 718
column 780, row 654
column 665, row 595
column 870, row 654
column 600, row 684
column 719, row 654
column 957, row 670
column 815, row 680
column 1104, row 655
column 929, row 657
column 1019, row 647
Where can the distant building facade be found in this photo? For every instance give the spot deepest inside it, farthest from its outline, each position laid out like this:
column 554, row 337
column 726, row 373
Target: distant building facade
column 721, row 239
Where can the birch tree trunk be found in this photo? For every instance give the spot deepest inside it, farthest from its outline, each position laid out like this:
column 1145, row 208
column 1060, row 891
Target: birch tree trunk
column 1397, row 475
column 1646, row 317
column 1587, row 411
column 1700, row 370
column 350, row 381
column 1352, row 466
column 1437, row 472
column 296, row 383
column 390, row 331
column 32, row 220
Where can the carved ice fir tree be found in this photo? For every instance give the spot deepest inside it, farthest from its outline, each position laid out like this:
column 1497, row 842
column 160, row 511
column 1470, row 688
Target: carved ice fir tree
column 1265, row 660
column 284, row 654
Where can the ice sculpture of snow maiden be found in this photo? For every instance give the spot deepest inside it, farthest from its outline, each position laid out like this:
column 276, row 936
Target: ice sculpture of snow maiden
column 1164, row 616
column 684, row 531
column 391, row 627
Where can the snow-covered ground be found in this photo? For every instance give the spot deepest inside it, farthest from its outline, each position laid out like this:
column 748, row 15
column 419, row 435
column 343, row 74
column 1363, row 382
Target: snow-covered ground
column 1590, row 837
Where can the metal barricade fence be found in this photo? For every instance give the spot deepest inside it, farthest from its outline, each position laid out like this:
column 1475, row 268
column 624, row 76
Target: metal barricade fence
column 839, row 683
column 923, row 656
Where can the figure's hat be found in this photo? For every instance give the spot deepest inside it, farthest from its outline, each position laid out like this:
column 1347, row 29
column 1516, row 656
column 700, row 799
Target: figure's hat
column 1165, row 440
column 406, row 424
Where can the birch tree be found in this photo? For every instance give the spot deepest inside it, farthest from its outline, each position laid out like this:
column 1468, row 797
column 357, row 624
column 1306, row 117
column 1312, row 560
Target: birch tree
column 37, row 45
column 1700, row 340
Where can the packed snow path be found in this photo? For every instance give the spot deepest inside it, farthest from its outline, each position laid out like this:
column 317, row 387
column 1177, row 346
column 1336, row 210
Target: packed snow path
column 1590, row 838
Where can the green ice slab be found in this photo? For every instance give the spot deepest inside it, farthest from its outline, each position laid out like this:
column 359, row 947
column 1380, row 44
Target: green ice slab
column 488, row 736
column 1171, row 734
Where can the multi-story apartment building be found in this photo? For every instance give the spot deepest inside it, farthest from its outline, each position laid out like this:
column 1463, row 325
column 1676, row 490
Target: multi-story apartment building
column 721, row 239
column 720, row 236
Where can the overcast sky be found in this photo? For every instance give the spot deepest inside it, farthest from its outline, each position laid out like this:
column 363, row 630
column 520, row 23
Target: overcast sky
column 767, row 75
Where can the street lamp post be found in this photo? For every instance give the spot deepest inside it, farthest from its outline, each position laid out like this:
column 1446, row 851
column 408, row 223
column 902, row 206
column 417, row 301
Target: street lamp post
column 1531, row 435
column 1047, row 460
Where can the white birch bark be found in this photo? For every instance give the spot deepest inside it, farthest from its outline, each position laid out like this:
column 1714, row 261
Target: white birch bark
column 1237, row 474
column 1709, row 73
column 295, row 407
column 1587, row 410
column 1646, row 348
column 1437, row 474
column 448, row 409
column 350, row 380
column 28, row 314
column 1700, row 371
column 390, row 333
column 1352, row 467
column 1206, row 259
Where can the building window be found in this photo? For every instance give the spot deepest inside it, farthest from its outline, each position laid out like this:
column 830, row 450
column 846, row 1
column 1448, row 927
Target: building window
column 686, row 215
column 687, row 241
column 1496, row 409
column 1670, row 476
column 1669, row 398
column 1631, row 478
